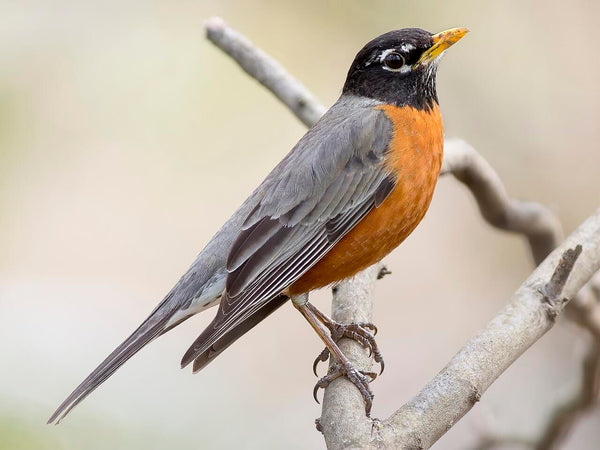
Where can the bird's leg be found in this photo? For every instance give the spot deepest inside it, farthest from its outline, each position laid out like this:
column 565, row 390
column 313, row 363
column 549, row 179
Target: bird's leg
column 343, row 366
column 361, row 332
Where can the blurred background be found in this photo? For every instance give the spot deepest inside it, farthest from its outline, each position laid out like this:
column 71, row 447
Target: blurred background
column 127, row 139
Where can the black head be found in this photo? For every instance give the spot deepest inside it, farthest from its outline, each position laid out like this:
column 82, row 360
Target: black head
column 399, row 67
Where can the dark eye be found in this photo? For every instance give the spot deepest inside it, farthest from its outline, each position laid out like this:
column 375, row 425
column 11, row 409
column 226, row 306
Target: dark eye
column 393, row 60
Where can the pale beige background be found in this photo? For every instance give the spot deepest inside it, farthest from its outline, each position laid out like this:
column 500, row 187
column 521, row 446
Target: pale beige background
column 126, row 140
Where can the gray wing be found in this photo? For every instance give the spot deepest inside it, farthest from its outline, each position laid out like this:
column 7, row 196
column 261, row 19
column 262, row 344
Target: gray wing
column 332, row 178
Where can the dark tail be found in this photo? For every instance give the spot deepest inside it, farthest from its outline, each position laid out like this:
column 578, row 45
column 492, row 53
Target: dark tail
column 233, row 335
column 152, row 327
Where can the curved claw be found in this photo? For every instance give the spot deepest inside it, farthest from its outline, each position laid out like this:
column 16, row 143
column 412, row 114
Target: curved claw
column 315, row 390
column 325, row 381
column 379, row 359
column 371, row 326
column 323, row 357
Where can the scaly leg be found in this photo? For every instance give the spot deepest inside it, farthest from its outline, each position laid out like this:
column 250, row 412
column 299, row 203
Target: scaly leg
column 361, row 332
column 343, row 366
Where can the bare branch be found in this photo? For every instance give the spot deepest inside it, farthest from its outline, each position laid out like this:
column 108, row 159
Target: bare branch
column 450, row 394
column 536, row 222
column 265, row 70
column 541, row 227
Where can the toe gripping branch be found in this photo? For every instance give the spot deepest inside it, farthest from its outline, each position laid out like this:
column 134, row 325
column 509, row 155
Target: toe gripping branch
column 361, row 332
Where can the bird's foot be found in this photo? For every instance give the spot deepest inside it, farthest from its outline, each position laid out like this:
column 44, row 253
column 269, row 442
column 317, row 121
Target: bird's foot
column 359, row 378
column 362, row 332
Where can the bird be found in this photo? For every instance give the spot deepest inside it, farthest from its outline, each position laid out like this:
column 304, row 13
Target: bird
column 348, row 193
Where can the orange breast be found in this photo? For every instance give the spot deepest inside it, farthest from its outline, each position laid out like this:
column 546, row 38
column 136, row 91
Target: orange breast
column 415, row 155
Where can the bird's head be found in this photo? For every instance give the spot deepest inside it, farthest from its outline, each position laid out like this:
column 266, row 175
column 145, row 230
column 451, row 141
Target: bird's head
column 399, row 67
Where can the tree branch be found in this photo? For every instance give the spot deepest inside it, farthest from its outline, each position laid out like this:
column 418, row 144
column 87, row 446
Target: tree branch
column 527, row 317
column 265, row 70
column 536, row 222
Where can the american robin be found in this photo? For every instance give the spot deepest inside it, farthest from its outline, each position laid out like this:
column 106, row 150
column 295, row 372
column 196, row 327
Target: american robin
column 350, row 191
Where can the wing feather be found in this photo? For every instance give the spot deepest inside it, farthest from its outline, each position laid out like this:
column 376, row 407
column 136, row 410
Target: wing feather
column 325, row 186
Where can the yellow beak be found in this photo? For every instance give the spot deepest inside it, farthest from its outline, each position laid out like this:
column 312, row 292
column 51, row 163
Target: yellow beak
column 441, row 42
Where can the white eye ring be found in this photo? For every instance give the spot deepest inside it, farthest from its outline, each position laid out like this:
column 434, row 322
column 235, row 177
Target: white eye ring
column 386, row 61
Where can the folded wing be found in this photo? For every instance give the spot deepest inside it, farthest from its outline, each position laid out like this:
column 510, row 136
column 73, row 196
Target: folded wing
column 332, row 178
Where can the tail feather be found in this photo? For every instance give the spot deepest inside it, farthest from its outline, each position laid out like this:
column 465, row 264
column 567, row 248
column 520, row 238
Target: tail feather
column 152, row 327
column 235, row 333
column 199, row 288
